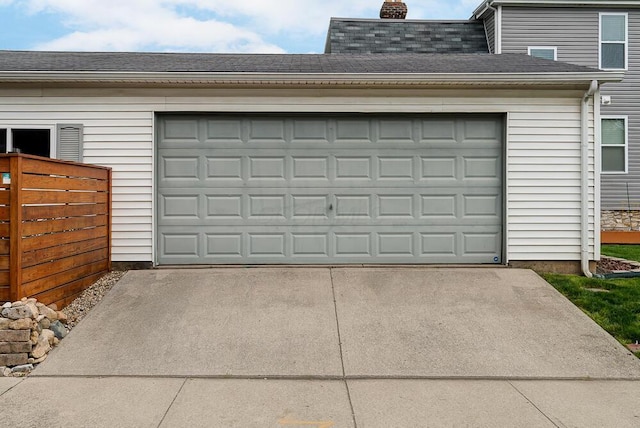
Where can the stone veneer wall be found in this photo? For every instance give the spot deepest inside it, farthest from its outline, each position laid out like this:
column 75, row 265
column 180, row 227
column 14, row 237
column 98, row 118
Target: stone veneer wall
column 620, row 220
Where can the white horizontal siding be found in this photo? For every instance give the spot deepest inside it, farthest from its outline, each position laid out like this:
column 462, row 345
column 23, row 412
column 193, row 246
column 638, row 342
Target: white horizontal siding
column 544, row 182
column 543, row 149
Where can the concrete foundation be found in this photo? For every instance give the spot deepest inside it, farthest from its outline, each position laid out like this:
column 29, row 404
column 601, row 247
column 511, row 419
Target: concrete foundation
column 569, row 267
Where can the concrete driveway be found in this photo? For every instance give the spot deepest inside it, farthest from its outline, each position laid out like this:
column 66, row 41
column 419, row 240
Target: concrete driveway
column 333, row 347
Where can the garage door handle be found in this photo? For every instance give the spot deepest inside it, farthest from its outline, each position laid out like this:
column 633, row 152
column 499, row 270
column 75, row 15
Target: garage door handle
column 330, row 207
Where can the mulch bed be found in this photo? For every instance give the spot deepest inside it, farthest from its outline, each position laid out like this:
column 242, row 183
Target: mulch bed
column 608, row 265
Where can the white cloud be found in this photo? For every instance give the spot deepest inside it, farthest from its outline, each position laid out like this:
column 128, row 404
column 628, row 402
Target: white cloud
column 209, row 25
column 129, row 25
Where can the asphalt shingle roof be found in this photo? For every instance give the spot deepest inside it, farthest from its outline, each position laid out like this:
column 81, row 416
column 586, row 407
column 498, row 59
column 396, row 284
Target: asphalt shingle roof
column 375, row 36
column 33, row 61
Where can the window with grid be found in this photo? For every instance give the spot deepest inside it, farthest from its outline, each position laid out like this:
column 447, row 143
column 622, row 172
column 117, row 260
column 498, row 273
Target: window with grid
column 614, row 145
column 613, row 41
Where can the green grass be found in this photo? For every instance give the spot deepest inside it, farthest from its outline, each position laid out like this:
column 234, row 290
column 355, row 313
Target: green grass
column 629, row 252
column 617, row 311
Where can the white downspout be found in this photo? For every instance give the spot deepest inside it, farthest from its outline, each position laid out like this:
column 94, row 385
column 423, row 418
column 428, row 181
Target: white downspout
column 584, row 181
column 497, row 28
column 498, row 35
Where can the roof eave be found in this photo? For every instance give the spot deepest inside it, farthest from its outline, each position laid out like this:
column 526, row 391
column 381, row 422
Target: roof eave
column 481, row 10
column 309, row 78
column 488, row 4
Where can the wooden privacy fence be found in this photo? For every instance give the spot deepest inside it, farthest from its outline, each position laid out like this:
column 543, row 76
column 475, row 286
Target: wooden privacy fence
column 55, row 227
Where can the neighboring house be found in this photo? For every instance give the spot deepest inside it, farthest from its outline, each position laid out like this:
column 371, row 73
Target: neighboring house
column 599, row 34
column 374, row 36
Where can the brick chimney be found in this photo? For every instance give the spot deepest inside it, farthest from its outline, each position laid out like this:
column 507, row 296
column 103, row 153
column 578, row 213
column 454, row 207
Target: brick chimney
column 393, row 9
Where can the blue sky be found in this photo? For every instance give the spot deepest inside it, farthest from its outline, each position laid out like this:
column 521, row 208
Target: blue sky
column 261, row 26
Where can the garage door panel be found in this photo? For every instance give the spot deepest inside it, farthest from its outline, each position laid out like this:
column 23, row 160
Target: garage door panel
column 227, row 168
column 224, row 130
column 372, row 190
column 326, row 245
column 359, row 206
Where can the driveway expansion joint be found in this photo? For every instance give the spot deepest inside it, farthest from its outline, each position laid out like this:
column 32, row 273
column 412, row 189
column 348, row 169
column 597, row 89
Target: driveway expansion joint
column 346, row 378
column 172, row 401
column 533, row 404
column 346, row 384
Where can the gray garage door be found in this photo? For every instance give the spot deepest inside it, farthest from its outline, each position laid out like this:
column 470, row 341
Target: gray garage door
column 329, row 189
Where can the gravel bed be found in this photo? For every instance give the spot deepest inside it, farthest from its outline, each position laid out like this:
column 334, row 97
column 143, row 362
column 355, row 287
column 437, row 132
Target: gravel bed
column 90, row 297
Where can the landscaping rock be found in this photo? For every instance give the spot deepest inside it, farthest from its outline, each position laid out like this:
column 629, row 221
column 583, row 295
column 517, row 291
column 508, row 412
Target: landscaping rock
column 26, row 368
column 33, row 339
column 49, row 335
column 45, row 323
column 34, row 309
column 58, row 329
column 4, row 323
column 49, row 313
column 6, row 305
column 39, row 360
column 41, row 348
column 62, row 317
column 17, row 312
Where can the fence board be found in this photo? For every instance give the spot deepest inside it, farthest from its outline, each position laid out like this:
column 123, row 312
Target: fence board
column 4, row 246
column 66, row 293
column 32, row 258
column 40, row 285
column 65, row 169
column 62, row 197
column 5, row 197
column 60, row 225
column 4, row 294
column 32, row 181
column 45, row 241
column 43, row 270
column 58, row 211
column 4, row 278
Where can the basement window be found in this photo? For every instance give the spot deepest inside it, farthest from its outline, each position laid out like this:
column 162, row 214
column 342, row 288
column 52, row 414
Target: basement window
column 31, row 141
column 544, row 52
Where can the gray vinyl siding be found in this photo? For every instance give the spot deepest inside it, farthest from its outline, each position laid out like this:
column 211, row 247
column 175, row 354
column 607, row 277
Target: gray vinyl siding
column 490, row 28
column 574, row 31
column 625, row 100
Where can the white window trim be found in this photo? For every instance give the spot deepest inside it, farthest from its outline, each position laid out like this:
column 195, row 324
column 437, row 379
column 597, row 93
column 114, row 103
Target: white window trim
column 626, row 39
column 52, row 136
column 548, row 48
column 626, row 145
